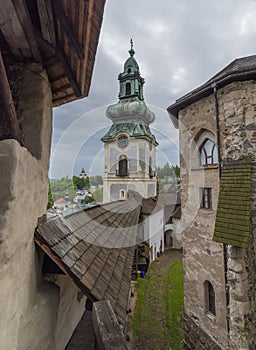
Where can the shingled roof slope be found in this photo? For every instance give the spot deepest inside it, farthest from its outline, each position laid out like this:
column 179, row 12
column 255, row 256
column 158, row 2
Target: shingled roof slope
column 95, row 248
column 232, row 225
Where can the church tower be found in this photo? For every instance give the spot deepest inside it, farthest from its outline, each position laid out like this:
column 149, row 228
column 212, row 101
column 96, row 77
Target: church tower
column 129, row 145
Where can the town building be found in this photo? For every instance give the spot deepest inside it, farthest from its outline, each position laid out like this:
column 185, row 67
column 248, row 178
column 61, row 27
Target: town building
column 159, row 227
column 82, row 174
column 129, row 145
column 217, row 128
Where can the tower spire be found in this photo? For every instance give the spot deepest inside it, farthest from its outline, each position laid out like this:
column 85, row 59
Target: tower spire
column 131, row 51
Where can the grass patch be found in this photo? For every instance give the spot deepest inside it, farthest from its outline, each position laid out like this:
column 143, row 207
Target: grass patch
column 141, row 290
column 173, row 301
column 157, row 320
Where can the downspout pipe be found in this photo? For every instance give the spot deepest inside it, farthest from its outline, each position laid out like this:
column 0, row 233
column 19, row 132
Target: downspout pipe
column 217, row 119
column 225, row 246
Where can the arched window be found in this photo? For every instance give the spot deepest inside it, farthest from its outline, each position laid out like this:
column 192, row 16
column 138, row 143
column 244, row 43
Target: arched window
column 129, row 70
column 128, row 89
column 210, row 297
column 208, row 153
column 123, row 166
column 150, row 168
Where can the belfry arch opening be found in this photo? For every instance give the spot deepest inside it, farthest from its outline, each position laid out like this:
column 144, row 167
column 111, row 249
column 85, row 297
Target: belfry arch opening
column 123, row 166
column 128, row 88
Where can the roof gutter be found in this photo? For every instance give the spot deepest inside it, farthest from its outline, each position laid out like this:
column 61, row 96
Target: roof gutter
column 217, row 120
column 199, row 93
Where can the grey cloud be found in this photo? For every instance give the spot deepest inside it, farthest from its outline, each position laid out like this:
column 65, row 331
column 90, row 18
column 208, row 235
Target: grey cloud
column 178, row 44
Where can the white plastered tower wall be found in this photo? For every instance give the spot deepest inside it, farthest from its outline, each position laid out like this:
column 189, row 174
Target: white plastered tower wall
column 139, row 179
column 129, row 145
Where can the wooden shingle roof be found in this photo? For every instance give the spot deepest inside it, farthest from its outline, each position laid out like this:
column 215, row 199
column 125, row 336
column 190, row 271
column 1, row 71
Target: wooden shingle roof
column 95, row 248
column 232, row 225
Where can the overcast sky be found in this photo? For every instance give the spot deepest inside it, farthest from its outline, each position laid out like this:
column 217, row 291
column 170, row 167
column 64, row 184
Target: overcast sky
column 179, row 45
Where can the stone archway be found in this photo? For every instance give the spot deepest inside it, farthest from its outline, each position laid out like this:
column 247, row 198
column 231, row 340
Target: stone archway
column 168, row 238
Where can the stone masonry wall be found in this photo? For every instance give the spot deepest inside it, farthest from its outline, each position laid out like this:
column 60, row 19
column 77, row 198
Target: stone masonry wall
column 237, row 106
column 237, row 113
column 196, row 338
column 203, row 258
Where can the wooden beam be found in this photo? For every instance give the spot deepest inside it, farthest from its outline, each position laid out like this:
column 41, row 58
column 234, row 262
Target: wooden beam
column 62, row 98
column 46, row 21
column 61, row 89
column 49, row 266
column 107, row 329
column 28, row 28
column 57, row 78
column 9, row 127
column 67, row 28
column 69, row 72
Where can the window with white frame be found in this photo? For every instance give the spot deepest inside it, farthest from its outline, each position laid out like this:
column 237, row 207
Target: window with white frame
column 206, row 198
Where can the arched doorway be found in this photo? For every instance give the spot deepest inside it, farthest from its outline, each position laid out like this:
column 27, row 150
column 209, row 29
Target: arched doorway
column 168, row 239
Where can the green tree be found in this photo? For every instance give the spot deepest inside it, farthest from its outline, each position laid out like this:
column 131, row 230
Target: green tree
column 50, row 198
column 59, row 188
column 81, row 183
column 96, row 180
column 176, row 169
column 98, row 195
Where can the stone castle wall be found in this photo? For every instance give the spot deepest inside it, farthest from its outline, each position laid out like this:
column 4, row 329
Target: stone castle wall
column 237, row 113
column 237, row 105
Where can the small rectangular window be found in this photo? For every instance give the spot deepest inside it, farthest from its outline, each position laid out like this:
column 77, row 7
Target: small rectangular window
column 206, row 198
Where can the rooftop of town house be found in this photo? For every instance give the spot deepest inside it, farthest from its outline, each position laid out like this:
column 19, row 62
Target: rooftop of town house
column 238, row 70
column 61, row 35
column 152, row 205
column 95, row 249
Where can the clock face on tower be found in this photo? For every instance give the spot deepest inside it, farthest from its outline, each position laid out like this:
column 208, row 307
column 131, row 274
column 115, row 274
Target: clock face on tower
column 122, row 141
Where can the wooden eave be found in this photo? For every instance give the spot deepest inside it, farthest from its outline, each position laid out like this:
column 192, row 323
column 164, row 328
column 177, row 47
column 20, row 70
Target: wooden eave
column 62, row 35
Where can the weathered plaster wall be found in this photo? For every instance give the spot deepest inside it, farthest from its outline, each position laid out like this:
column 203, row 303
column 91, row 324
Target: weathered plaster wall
column 203, row 258
column 34, row 313
column 156, row 232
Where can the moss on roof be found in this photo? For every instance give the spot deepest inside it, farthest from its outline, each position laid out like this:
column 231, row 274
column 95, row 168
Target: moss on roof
column 232, row 225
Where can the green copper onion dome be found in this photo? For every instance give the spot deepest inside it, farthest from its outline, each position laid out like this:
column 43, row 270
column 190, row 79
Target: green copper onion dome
column 131, row 106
